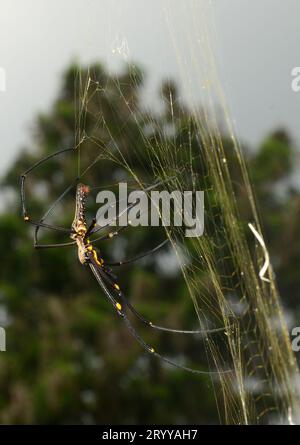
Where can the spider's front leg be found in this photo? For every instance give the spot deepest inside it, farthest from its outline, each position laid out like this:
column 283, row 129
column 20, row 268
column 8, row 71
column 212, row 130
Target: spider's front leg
column 25, row 213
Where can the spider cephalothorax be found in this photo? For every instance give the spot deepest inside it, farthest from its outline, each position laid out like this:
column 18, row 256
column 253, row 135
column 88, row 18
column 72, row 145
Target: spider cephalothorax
column 79, row 226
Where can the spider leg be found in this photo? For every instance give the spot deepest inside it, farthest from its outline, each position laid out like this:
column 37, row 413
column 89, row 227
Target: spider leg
column 91, row 228
column 110, row 297
column 152, row 351
column 115, row 232
column 65, row 192
column 138, row 257
column 50, row 246
column 110, row 273
column 111, row 234
column 48, row 226
column 107, row 276
column 135, row 334
column 23, row 194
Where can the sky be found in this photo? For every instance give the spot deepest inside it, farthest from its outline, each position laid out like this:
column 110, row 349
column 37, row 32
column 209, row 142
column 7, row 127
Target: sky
column 255, row 47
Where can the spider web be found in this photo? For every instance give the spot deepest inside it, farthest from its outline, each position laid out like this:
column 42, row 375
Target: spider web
column 221, row 269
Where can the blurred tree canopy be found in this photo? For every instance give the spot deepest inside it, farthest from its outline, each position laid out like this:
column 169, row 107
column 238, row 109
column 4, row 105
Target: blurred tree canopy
column 69, row 358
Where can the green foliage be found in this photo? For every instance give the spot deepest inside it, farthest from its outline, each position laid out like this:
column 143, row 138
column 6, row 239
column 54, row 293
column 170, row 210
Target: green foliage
column 273, row 160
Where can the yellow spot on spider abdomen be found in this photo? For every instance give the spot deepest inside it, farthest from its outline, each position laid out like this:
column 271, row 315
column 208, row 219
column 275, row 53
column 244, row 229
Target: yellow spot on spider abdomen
column 26, row 218
column 116, row 286
column 118, row 306
column 99, row 262
column 152, row 350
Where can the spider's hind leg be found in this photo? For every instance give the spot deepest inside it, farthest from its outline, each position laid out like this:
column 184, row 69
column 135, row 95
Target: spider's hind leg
column 115, row 288
column 136, row 335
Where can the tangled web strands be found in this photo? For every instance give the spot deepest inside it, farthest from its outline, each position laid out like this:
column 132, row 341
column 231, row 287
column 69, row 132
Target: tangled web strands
column 222, row 268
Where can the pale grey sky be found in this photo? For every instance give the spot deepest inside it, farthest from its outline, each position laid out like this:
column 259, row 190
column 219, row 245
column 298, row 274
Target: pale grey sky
column 257, row 47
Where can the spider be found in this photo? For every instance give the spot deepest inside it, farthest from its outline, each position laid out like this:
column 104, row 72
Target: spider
column 80, row 233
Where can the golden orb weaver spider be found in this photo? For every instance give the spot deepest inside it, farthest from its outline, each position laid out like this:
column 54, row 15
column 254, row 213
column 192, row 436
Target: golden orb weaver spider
column 88, row 255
